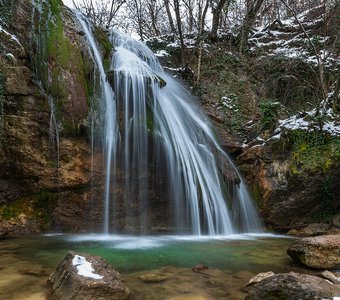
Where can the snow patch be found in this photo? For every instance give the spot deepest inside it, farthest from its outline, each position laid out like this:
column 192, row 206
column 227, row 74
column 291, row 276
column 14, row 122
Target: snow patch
column 84, row 267
column 12, row 37
column 162, row 53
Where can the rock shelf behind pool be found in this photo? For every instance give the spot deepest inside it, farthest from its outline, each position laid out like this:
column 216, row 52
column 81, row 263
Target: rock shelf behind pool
column 83, row 276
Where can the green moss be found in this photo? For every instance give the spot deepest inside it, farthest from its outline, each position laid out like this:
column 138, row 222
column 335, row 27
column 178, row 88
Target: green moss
column 257, row 196
column 326, row 198
column 57, row 56
column 104, row 42
column 149, row 121
column 43, row 207
column 8, row 212
column 52, row 163
column 269, row 111
column 312, row 151
column 5, row 12
column 2, row 112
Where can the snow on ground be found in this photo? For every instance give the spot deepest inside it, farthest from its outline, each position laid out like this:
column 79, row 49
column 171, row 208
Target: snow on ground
column 307, row 121
column 287, row 39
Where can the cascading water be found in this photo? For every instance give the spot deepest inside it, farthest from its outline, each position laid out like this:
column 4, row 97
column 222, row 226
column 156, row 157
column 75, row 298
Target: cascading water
column 162, row 144
column 111, row 131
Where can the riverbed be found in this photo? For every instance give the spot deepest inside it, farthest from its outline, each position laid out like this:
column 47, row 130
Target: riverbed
column 26, row 263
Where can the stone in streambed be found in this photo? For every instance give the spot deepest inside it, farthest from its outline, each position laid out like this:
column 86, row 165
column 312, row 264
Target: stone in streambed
column 321, row 252
column 82, row 277
column 153, row 277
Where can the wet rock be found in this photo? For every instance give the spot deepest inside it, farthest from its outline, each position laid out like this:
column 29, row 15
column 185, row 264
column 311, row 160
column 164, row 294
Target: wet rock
column 330, row 276
column 336, row 221
column 17, row 81
column 3, row 232
column 200, row 268
column 321, row 252
column 153, row 277
column 293, row 286
column 292, row 232
column 313, row 230
column 257, row 278
column 86, row 277
column 289, row 200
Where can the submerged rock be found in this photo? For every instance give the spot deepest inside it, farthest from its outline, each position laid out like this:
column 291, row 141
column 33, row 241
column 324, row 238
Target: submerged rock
column 86, row 277
column 293, row 286
column 321, row 252
column 153, row 277
column 199, row 268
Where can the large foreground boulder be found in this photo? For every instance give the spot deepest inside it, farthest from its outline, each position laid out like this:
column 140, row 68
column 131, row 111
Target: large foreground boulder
column 293, row 286
column 83, row 277
column 321, row 252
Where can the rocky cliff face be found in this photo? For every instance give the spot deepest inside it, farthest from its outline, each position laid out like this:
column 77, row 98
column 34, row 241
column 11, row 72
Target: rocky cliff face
column 46, row 165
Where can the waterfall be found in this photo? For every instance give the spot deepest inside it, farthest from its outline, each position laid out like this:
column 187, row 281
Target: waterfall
column 159, row 146
column 110, row 131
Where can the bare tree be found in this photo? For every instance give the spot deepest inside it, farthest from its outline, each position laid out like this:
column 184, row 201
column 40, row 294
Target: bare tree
column 168, row 12
column 100, row 12
column 253, row 7
column 216, row 12
column 202, row 12
column 189, row 11
column 179, row 28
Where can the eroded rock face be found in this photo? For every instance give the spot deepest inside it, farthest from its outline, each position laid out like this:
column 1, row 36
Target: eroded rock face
column 321, row 252
column 45, row 181
column 287, row 198
column 293, row 286
column 82, row 276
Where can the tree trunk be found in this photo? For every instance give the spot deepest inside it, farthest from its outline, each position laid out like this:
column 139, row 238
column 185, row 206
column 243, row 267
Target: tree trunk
column 248, row 22
column 216, row 12
column 171, row 21
column 179, row 28
column 201, row 40
column 336, row 101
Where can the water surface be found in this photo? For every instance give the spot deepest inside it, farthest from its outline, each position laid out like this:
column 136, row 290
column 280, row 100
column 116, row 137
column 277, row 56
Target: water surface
column 26, row 263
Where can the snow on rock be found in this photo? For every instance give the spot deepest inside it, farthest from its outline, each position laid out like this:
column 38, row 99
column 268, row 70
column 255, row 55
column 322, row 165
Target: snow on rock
column 84, row 267
column 11, row 36
column 162, row 53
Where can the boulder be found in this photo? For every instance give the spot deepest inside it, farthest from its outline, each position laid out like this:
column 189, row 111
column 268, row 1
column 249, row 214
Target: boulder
column 86, row 277
column 321, row 252
column 313, row 229
column 293, row 286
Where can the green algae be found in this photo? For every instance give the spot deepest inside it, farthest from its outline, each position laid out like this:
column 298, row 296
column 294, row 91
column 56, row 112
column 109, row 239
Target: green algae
column 56, row 57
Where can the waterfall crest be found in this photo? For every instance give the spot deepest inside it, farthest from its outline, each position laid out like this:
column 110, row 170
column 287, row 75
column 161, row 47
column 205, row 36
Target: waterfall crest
column 158, row 138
